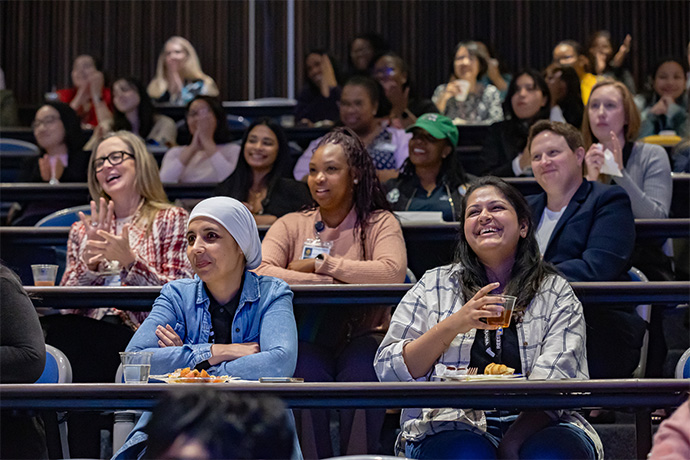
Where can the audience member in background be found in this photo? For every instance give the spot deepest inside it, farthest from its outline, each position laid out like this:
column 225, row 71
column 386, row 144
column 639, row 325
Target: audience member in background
column 226, row 320
column 665, row 105
column 672, row 439
column 393, row 75
column 134, row 112
column 359, row 107
column 90, row 97
column 587, row 230
column 179, row 77
column 464, row 97
column 22, row 360
column 133, row 236
column 209, row 157
column 569, row 52
column 206, row 424
column 432, row 178
column 505, row 146
column 318, row 100
column 611, row 123
column 60, row 138
column 439, row 323
column 262, row 178
column 349, row 237
column 58, row 134
column 364, row 48
column 495, row 74
column 603, row 61
column 566, row 97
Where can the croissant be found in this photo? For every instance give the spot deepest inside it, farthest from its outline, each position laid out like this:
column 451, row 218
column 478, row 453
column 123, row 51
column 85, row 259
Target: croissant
column 498, row 369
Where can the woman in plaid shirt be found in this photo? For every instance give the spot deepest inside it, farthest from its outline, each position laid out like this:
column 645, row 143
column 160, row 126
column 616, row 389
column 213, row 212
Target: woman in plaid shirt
column 434, row 327
column 133, row 236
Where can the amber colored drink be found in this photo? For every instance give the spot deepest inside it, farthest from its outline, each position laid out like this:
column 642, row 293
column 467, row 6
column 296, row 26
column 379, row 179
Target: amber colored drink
column 504, row 319
column 44, row 283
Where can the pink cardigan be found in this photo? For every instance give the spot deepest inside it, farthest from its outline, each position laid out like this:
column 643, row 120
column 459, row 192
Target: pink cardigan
column 385, row 247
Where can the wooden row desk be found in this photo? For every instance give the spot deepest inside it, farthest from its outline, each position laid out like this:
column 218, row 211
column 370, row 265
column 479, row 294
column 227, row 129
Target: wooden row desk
column 17, row 191
column 428, row 245
column 640, row 396
column 141, row 298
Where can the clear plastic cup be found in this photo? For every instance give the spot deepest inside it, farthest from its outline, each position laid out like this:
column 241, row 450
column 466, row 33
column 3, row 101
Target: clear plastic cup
column 508, row 306
column 136, row 366
column 44, row 274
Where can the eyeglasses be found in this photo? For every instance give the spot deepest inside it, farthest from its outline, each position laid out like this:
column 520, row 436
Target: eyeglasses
column 202, row 112
column 114, row 158
column 46, row 121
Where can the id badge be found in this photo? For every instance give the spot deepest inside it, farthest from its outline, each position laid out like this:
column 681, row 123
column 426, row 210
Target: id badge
column 314, row 247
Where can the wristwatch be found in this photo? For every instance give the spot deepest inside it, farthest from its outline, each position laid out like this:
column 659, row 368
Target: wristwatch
column 319, row 257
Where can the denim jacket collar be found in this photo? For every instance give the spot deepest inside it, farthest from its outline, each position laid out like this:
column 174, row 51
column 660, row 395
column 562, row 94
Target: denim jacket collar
column 250, row 291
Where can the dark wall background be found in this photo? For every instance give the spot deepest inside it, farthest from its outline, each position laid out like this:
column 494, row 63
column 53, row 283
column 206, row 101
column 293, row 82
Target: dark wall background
column 41, row 38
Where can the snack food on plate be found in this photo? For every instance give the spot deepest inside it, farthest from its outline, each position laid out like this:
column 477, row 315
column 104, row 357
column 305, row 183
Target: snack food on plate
column 498, row 369
column 188, row 375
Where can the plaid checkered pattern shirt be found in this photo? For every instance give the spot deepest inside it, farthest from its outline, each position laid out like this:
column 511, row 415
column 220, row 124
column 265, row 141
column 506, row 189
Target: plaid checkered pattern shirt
column 551, row 336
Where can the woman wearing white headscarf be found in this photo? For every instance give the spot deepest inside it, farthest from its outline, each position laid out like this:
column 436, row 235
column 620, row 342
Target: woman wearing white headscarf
column 226, row 319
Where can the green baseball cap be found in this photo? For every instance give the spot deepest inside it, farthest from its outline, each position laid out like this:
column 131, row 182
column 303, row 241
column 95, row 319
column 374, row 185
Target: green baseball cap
column 438, row 126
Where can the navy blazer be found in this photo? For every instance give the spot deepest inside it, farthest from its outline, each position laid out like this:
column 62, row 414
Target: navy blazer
column 594, row 238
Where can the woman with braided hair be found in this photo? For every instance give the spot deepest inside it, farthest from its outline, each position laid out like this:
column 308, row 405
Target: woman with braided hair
column 348, row 236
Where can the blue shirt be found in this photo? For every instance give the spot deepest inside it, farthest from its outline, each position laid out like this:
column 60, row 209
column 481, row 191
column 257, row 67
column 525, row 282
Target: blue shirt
column 264, row 315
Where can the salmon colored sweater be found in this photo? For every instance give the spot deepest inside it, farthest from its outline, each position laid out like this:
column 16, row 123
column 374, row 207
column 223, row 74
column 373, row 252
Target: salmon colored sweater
column 386, row 260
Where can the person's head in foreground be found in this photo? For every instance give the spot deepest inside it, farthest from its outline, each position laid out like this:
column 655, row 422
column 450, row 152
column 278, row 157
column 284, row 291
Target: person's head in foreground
column 207, row 424
column 222, row 240
column 497, row 241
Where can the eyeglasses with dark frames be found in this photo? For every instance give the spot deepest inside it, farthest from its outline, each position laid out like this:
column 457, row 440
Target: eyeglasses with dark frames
column 114, row 158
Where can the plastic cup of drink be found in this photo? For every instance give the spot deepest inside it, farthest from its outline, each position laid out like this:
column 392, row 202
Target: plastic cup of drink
column 504, row 319
column 136, row 366
column 44, row 274
column 464, row 87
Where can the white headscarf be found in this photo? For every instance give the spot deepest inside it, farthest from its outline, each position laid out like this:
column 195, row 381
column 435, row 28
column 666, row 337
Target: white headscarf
column 237, row 220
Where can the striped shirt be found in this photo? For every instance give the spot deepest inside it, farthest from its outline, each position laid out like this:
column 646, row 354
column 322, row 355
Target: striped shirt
column 551, row 336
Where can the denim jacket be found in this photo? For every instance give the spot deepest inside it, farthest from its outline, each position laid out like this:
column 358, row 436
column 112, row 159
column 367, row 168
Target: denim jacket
column 264, row 315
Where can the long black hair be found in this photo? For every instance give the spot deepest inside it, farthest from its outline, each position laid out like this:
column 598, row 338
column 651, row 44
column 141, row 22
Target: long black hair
column 145, row 110
column 74, row 136
column 544, row 112
column 237, row 185
column 222, row 134
column 650, row 95
column 529, row 269
column 368, row 195
column 334, row 64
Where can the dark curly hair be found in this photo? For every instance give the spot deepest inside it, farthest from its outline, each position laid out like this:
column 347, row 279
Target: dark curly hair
column 368, row 195
column 529, row 269
column 225, row 424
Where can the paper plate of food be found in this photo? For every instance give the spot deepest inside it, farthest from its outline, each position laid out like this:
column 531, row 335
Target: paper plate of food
column 188, row 375
column 492, row 371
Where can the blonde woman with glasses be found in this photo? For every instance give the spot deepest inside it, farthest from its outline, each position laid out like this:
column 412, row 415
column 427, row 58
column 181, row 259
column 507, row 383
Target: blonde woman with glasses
column 133, row 236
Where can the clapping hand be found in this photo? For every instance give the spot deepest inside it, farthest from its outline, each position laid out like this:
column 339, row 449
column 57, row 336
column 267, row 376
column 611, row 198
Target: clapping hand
column 112, row 247
column 661, row 107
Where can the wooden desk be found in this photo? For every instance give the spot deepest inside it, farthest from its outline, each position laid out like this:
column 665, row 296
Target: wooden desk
column 140, row 298
column 642, row 396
